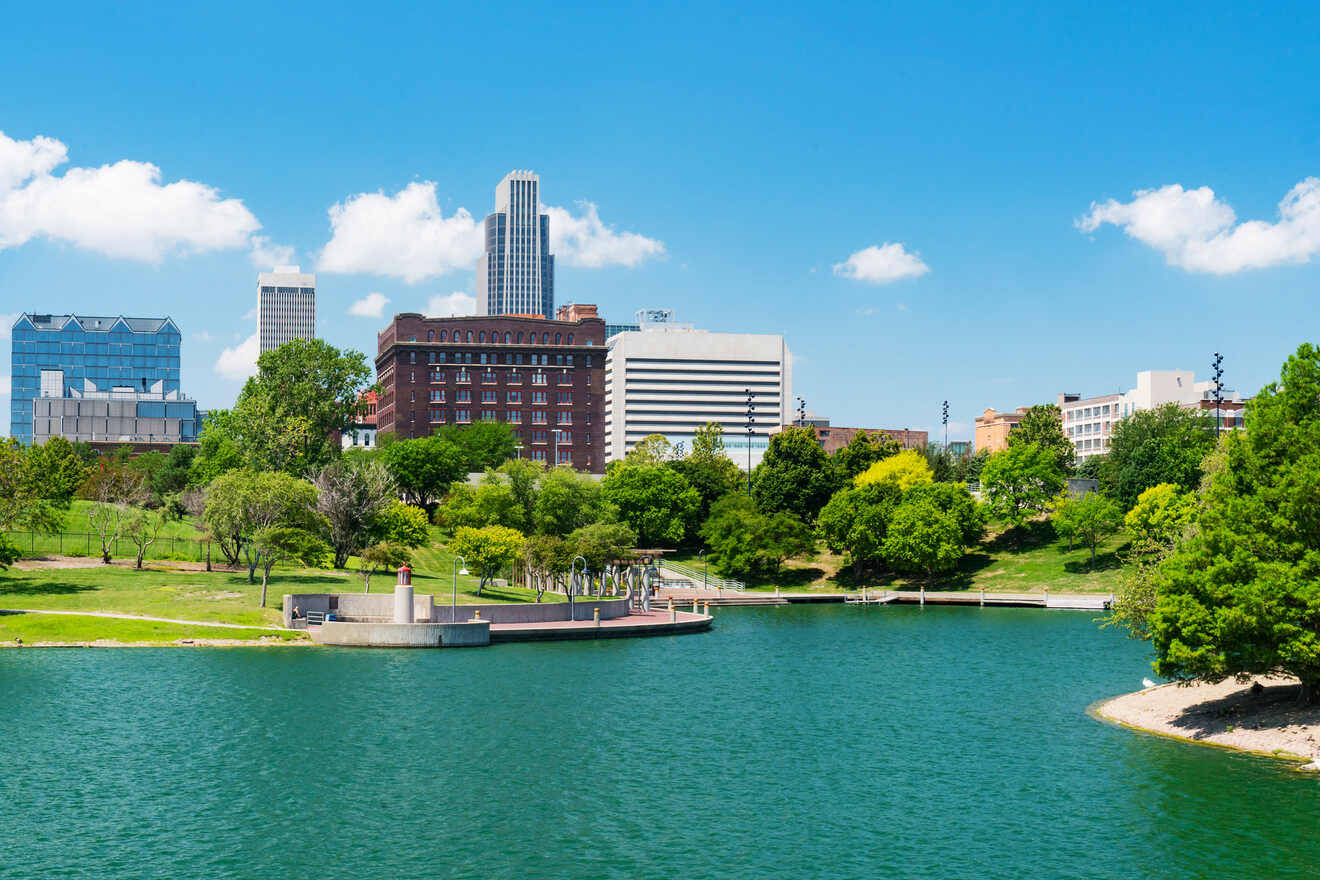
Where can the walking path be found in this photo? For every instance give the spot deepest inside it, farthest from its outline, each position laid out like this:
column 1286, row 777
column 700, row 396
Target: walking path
column 655, row 622
column 140, row 617
column 1073, row 601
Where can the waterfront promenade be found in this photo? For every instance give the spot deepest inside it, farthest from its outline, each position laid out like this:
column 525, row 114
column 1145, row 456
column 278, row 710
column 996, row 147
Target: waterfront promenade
column 1046, row 599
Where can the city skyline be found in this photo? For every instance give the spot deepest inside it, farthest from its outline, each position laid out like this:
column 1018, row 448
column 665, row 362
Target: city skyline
column 1036, row 232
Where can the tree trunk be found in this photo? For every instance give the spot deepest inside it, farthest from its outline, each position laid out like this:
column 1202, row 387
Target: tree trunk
column 265, row 574
column 366, row 579
column 208, row 555
column 141, row 552
column 1091, row 565
column 1308, row 694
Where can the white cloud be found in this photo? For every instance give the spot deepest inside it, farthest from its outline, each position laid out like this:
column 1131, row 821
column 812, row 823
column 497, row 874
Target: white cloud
column 265, row 254
column 250, row 314
column 1198, row 232
column 120, row 210
column 588, row 243
column 457, row 303
column 370, row 306
column 882, row 264
column 202, row 336
column 239, row 362
column 405, row 235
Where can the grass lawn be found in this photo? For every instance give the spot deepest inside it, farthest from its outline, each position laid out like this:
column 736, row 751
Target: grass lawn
column 32, row 628
column 1028, row 560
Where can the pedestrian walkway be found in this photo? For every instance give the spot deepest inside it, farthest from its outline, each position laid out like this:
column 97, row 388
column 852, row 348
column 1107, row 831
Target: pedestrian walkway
column 115, row 616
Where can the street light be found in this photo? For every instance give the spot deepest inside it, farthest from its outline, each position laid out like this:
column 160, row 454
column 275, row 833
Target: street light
column 751, row 410
column 946, row 424
column 572, row 576
column 701, row 557
column 1218, row 365
column 802, row 413
column 453, row 607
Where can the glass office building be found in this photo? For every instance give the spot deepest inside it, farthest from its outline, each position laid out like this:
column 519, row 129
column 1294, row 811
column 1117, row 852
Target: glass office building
column 516, row 274
column 72, row 368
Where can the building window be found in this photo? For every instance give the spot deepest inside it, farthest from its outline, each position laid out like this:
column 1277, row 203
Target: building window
column 437, row 416
column 564, row 397
column 545, row 338
column 538, row 417
column 481, row 336
column 513, row 417
column 489, row 415
column 412, row 357
column 463, row 377
column 463, row 415
column 588, row 360
column 437, row 396
column 442, row 335
column 564, row 418
column 540, row 397
column 430, row 336
column 412, row 376
column 469, row 339
column 513, row 397
column 570, row 339
column 557, row 338
column 488, row 397
column 520, row 337
column 507, row 337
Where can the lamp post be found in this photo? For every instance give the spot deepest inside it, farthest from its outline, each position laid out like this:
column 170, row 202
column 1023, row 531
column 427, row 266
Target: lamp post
column 802, row 413
column 946, row 425
column 701, row 557
column 453, row 605
column 572, row 576
column 751, row 410
column 1218, row 365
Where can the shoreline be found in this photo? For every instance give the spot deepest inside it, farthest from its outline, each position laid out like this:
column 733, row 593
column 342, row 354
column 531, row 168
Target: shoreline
column 264, row 642
column 1259, row 717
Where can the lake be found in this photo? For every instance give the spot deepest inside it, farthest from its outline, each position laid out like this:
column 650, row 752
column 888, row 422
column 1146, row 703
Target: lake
column 818, row 741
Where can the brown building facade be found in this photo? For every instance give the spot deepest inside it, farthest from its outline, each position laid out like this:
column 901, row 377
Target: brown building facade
column 832, row 438
column 992, row 428
column 544, row 378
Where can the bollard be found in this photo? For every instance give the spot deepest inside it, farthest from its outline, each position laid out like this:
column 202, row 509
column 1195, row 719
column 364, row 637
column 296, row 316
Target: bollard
column 476, row 615
column 671, row 603
column 776, row 592
column 983, row 597
column 923, row 597
column 673, row 614
column 595, row 616
column 694, row 603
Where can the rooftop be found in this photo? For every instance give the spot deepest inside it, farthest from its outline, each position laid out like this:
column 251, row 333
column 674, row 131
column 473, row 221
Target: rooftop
column 94, row 323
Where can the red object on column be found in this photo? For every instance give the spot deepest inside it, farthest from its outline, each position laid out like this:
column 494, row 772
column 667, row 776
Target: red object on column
column 405, row 575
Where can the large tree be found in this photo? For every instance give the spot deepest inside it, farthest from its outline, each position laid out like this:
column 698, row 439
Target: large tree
column 656, row 501
column 113, row 491
column 487, row 550
column 744, row 541
column 707, row 468
column 287, row 415
column 1162, row 445
column 1088, row 519
column 922, row 538
column 351, row 498
column 424, row 468
column 1241, row 595
column 566, row 501
column 1021, row 482
column 240, row 504
column 483, row 444
column 856, row 520
column 795, row 476
column 906, row 469
column 1042, row 425
column 864, row 450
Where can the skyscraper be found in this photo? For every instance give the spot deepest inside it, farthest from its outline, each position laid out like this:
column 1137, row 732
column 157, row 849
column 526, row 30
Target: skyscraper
column 516, row 274
column 286, row 306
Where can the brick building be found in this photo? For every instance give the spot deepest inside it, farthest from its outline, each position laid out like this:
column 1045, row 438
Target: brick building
column 833, row 438
column 545, row 378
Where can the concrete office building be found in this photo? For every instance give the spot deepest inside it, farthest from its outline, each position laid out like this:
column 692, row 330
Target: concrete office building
column 98, row 378
column 516, row 274
column 1089, row 422
column 286, row 306
column 993, row 428
column 671, row 379
column 544, row 378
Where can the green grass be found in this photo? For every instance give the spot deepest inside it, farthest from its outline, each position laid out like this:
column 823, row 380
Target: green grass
column 177, row 540
column 32, row 628
column 1023, row 560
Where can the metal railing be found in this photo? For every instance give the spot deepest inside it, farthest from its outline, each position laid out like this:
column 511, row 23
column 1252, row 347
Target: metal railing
column 695, row 575
column 32, row 544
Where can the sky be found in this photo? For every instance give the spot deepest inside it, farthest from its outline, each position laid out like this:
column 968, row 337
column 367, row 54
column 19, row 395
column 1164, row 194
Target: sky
column 986, row 206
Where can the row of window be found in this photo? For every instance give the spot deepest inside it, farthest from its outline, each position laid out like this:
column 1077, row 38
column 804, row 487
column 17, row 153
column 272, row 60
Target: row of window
column 489, row 378
column 509, row 338
column 466, row 357
column 1090, row 412
column 512, row 417
column 464, row 395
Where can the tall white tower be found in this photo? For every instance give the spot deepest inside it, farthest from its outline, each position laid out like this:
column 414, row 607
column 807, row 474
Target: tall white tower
column 516, row 274
column 286, row 306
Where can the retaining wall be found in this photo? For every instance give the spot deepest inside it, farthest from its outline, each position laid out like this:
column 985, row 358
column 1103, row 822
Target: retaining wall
column 403, row 635
column 379, row 608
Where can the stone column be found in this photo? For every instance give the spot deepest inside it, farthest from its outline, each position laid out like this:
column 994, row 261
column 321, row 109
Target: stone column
column 403, row 597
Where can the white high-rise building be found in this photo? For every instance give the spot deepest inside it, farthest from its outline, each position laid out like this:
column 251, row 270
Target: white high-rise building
column 1089, row 422
column 286, row 306
column 670, row 379
column 516, row 274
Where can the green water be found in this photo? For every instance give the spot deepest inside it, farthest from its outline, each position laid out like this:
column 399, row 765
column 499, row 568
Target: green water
column 807, row 741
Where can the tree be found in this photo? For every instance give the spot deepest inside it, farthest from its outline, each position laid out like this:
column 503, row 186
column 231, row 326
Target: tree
column 276, row 544
column 712, row 473
column 954, row 500
column 652, row 450
column 1160, row 518
column 424, row 468
column 567, row 500
column 487, row 550
column 1042, row 425
column 1089, row 518
column 1162, row 445
column 905, row 470
column 922, row 538
column 351, row 498
column 402, row 524
column 862, row 451
column 483, row 444
column 743, row 541
column 111, row 490
column 286, row 417
column 218, row 451
column 1090, row 467
column 601, row 545
column 25, row 494
column 708, row 443
column 141, row 526
column 387, row 555
column 240, row 504
column 856, row 521
column 1240, row 596
column 795, row 476
column 1021, row 481
column 546, row 558
column 656, row 501
column 967, row 468
column 59, row 470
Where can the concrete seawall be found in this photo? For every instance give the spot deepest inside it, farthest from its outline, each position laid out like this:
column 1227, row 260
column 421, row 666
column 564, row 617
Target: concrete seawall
column 403, row 635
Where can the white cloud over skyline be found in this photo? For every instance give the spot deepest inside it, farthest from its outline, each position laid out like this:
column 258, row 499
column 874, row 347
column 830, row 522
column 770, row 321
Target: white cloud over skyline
column 457, row 303
column 239, row 362
column 1197, row 231
column 408, row 236
column 370, row 306
column 120, row 210
column 882, row 264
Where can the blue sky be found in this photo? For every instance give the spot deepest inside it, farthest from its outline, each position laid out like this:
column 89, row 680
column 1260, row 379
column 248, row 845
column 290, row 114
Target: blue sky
column 737, row 159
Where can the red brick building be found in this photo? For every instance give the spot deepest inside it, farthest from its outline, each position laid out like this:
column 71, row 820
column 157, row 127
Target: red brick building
column 545, row 378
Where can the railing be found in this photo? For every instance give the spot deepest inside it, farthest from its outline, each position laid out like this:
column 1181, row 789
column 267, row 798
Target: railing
column 32, row 544
column 696, row 576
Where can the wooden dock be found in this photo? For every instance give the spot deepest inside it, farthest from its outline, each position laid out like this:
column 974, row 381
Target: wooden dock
column 1060, row 601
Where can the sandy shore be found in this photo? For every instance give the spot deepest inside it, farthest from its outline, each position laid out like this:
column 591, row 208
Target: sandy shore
column 1260, row 716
